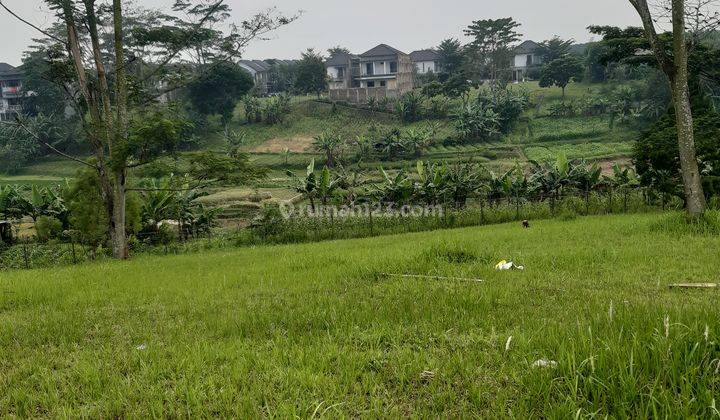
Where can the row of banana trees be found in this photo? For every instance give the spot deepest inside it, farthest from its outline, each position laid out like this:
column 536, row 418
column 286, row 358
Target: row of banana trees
column 456, row 184
column 159, row 206
column 17, row 202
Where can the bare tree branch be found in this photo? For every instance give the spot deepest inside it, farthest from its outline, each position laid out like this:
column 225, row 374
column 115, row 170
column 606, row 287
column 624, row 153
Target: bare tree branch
column 16, row 16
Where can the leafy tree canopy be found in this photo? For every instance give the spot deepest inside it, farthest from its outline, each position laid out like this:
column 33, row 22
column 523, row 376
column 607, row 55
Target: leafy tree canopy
column 561, row 71
column 311, row 73
column 217, row 89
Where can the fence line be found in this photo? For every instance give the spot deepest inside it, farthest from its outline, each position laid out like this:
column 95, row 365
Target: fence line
column 274, row 229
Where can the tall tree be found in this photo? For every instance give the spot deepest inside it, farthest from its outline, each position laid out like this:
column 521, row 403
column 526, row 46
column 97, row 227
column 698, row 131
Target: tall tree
column 451, row 56
column 555, row 48
column 219, row 88
column 675, row 66
column 332, row 51
column 491, row 45
column 111, row 96
column 311, row 73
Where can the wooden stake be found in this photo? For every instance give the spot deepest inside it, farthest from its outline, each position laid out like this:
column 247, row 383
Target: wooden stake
column 420, row 276
column 693, row 286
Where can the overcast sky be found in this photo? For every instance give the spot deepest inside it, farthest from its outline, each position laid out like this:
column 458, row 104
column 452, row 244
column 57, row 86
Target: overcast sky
column 361, row 24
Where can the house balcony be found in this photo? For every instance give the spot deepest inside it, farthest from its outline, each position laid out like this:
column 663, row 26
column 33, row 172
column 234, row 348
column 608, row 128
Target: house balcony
column 387, row 76
column 11, row 91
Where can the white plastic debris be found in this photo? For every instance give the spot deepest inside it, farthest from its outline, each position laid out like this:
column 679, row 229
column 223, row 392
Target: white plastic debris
column 508, row 265
column 545, row 363
column 141, row 347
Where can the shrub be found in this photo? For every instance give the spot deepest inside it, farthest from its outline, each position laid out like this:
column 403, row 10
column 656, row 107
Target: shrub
column 409, row 107
column 253, row 109
column 48, row 228
column 438, row 107
column 508, row 104
column 476, row 122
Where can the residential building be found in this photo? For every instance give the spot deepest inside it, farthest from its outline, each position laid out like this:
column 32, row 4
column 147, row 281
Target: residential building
column 340, row 71
column 382, row 71
column 11, row 91
column 260, row 72
column 526, row 58
column 426, row 61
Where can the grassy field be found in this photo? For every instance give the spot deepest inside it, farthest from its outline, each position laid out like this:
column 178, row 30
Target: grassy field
column 317, row 330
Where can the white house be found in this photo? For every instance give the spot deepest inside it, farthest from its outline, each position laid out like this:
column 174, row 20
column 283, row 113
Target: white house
column 426, row 61
column 527, row 56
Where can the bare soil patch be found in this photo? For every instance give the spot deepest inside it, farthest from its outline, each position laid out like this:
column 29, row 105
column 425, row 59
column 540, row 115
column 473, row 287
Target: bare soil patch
column 297, row 144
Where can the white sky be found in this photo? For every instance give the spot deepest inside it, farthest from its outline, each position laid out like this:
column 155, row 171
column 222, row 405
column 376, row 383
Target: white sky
column 361, row 24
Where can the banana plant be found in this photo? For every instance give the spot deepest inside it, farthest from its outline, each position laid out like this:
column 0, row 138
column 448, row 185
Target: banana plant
column 430, row 187
column 307, row 185
column 624, row 180
column 460, row 182
column 586, row 179
column 398, row 189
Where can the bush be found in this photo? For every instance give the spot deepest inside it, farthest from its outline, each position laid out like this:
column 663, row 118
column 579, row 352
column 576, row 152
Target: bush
column 476, row 122
column 410, row 107
column 508, row 104
column 48, row 228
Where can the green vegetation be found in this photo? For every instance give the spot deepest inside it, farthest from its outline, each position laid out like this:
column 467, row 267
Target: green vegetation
column 317, row 329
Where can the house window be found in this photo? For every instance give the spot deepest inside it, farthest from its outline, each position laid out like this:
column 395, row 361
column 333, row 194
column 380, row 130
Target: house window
column 370, row 84
column 529, row 60
column 393, row 67
column 382, row 83
column 340, row 72
column 369, row 69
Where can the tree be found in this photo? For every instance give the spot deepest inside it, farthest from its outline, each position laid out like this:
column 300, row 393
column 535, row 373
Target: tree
column 560, row 72
column 219, row 88
column 329, row 144
column 451, row 57
column 675, row 66
column 116, row 77
column 311, row 73
column 555, row 48
column 490, row 48
column 333, row 51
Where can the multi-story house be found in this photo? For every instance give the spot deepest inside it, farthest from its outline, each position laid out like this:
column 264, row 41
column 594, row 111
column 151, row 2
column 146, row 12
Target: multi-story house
column 526, row 58
column 262, row 72
column 426, row 61
column 259, row 70
column 380, row 72
column 11, row 91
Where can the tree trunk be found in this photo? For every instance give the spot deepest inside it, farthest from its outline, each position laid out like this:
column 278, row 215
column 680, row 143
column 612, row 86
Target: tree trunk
column 676, row 68
column 695, row 198
column 114, row 194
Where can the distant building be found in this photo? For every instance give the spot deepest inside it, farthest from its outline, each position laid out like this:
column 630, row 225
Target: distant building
column 426, row 61
column 11, row 91
column 382, row 71
column 261, row 71
column 526, row 58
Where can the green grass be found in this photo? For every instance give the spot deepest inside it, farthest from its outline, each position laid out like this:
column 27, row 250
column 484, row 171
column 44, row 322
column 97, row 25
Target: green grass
column 578, row 151
column 316, row 330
